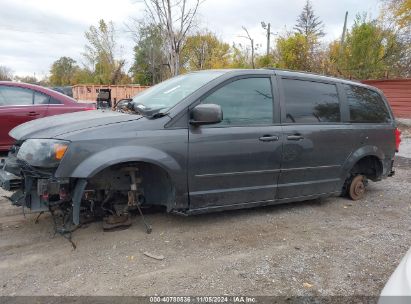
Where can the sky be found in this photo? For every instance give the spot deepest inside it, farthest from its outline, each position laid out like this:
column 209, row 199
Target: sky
column 35, row 33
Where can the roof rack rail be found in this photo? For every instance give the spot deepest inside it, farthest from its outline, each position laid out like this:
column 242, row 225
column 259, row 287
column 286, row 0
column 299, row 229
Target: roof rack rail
column 309, row 73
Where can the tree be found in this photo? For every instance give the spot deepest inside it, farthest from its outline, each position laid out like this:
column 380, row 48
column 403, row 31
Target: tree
column 62, row 71
column 175, row 19
column 266, row 61
column 308, row 24
column 369, row 50
column 396, row 17
column 205, row 51
column 251, row 45
column 27, row 79
column 293, row 52
column 401, row 10
column 239, row 57
column 301, row 49
column 100, row 54
column 83, row 76
column 5, row 73
column 150, row 62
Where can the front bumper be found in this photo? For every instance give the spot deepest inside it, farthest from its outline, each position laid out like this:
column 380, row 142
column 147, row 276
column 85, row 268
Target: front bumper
column 9, row 181
column 34, row 188
column 10, row 178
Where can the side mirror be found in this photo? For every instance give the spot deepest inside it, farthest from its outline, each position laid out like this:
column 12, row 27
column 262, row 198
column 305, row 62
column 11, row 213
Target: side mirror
column 206, row 114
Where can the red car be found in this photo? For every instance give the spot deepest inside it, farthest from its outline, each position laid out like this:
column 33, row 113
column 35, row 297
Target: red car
column 21, row 102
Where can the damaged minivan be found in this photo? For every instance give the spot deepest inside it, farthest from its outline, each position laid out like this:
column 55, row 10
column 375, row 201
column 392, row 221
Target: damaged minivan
column 206, row 141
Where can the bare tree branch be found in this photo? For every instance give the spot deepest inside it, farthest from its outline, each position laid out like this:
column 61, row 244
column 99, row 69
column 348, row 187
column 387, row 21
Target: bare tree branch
column 175, row 18
column 252, row 45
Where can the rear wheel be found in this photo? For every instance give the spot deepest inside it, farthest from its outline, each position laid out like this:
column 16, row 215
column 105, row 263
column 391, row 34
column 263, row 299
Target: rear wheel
column 356, row 188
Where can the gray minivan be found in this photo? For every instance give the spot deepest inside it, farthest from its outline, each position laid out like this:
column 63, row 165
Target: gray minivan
column 207, row 141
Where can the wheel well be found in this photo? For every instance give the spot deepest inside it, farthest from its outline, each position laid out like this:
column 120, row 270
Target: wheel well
column 156, row 184
column 369, row 166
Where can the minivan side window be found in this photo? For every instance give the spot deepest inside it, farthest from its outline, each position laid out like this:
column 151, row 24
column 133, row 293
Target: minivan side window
column 310, row 102
column 10, row 96
column 247, row 101
column 366, row 106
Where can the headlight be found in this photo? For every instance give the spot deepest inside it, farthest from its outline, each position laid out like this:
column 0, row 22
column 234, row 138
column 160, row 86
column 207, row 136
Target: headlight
column 43, row 152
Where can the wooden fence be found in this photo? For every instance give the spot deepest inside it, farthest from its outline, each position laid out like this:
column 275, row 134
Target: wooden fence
column 398, row 93
column 89, row 93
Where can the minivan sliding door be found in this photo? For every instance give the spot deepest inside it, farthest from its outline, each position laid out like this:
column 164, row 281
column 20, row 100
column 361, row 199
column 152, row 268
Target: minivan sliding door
column 315, row 140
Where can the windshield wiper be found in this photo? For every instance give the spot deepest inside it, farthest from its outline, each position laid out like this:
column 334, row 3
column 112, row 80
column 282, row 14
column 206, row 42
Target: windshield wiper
column 158, row 115
column 148, row 112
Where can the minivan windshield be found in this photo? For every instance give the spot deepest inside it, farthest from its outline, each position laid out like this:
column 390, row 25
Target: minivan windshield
column 167, row 94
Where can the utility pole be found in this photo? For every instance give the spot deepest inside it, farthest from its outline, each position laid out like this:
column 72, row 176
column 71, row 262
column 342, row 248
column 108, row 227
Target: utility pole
column 343, row 34
column 267, row 27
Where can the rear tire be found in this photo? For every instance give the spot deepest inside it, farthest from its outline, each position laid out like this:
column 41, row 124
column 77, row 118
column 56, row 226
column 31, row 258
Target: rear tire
column 356, row 188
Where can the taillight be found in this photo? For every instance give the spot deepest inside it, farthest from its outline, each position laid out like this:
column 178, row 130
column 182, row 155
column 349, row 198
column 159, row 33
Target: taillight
column 397, row 139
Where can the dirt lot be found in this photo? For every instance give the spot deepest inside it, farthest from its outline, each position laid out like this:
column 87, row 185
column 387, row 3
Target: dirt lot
column 328, row 247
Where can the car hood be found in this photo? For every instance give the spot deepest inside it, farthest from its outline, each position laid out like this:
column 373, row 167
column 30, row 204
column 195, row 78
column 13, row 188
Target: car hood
column 54, row 126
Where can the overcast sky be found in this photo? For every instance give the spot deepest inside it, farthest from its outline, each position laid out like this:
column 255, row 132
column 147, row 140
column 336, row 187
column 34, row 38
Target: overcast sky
column 35, row 33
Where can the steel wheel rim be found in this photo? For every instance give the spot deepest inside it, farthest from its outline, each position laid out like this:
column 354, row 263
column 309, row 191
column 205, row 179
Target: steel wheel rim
column 357, row 188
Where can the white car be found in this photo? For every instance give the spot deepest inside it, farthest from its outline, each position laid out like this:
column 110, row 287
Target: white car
column 398, row 287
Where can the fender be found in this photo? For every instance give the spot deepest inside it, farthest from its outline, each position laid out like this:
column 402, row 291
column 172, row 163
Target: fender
column 116, row 155
column 357, row 155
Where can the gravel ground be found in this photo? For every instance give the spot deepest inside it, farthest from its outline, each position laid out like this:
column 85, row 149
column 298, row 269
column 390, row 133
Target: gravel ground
column 328, row 247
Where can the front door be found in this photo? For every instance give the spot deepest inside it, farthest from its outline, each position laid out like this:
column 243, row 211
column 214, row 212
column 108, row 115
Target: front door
column 238, row 160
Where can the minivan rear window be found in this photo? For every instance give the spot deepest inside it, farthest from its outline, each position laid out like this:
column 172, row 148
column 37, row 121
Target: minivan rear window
column 366, row 106
column 310, row 102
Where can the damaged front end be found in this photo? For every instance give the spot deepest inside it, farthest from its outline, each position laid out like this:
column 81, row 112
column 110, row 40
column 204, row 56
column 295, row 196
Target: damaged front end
column 35, row 187
column 30, row 170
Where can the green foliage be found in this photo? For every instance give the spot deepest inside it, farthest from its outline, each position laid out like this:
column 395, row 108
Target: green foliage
column 371, row 48
column 32, row 79
column 266, row 62
column 368, row 52
column 293, row 52
column 5, row 73
column 401, row 10
column 27, row 79
column 100, row 55
column 300, row 50
column 239, row 57
column 62, row 72
column 308, row 24
column 150, row 62
column 204, row 51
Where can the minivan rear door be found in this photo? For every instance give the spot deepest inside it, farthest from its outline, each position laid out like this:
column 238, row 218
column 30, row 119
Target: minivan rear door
column 315, row 139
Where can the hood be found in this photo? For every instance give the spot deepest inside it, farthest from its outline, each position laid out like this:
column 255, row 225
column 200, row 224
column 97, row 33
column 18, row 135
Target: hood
column 54, row 126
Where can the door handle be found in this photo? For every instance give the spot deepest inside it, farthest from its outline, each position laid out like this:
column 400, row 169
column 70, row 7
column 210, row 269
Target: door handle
column 295, row 137
column 32, row 113
column 269, row 138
